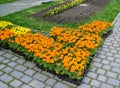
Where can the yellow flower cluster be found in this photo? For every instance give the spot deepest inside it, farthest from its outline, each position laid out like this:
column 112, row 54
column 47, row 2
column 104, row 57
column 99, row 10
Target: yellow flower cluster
column 4, row 24
column 14, row 28
column 20, row 30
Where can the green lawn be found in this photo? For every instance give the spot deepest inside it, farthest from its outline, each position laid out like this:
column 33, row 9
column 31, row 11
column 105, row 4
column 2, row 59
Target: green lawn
column 22, row 18
column 6, row 1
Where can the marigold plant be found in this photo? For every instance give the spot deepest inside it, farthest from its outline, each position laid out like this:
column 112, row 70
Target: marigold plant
column 4, row 24
column 67, row 51
column 20, row 30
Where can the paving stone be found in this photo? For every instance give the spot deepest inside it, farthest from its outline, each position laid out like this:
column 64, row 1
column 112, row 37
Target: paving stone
column 105, row 61
column 30, row 72
column 60, row 85
column 16, row 83
column 2, row 58
column 20, row 61
column 71, row 85
column 95, row 83
column 116, row 69
column 101, row 56
column 37, row 69
column 117, row 60
column 6, row 78
column 115, row 45
column 29, row 64
column 101, row 71
column 109, row 54
column 106, row 40
column 117, row 56
column 106, row 67
column 86, row 80
column 94, row 69
column 96, row 64
column 14, row 58
column 113, row 82
column 50, row 81
column 2, row 66
column 119, row 77
column 48, row 87
column 12, row 64
column 114, row 51
column 97, row 59
column 40, row 76
column 110, row 58
column 7, row 55
column 115, row 64
column 48, row 74
column 105, row 46
column 2, row 85
column 25, row 86
column 104, row 85
column 92, row 75
column 1, row 52
column 84, row 86
column 99, row 52
column 111, row 74
column 118, row 52
column 17, row 74
column 108, row 43
column 1, row 72
column 20, row 68
column 37, row 84
column 7, row 69
column 6, row 61
column 26, row 79
column 111, row 47
column 102, row 78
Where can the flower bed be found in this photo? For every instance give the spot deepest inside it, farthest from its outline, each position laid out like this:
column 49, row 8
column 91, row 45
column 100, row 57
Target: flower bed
column 62, row 7
column 67, row 52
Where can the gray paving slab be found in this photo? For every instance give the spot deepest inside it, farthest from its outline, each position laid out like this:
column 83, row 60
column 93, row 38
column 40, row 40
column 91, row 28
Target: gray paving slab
column 9, row 8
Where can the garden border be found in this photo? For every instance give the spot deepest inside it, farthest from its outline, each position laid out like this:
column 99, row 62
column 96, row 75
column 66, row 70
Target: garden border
column 77, row 82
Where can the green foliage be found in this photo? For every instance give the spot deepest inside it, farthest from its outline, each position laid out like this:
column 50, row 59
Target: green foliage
column 6, row 1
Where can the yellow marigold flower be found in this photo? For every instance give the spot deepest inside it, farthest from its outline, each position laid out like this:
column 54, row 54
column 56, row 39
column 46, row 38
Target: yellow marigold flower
column 4, row 24
column 20, row 30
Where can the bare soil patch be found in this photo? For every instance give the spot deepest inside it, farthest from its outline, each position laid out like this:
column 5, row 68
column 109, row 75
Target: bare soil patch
column 76, row 14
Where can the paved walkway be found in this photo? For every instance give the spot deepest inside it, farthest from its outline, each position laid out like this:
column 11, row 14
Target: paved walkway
column 8, row 8
column 16, row 72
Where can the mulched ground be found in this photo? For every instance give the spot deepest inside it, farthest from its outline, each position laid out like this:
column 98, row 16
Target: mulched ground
column 76, row 14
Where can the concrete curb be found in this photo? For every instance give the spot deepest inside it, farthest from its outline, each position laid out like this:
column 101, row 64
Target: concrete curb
column 116, row 18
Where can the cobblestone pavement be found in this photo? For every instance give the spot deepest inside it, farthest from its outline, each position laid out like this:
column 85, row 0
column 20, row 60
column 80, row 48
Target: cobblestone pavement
column 8, row 8
column 16, row 72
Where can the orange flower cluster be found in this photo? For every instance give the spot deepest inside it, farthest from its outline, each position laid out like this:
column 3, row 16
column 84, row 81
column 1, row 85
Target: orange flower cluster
column 78, row 43
column 43, row 47
column 6, row 34
column 95, row 26
column 68, row 49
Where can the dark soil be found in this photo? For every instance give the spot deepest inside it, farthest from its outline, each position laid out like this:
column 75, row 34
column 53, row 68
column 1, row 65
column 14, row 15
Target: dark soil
column 76, row 14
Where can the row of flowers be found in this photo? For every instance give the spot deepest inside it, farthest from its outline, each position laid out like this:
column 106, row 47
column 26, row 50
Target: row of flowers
column 62, row 7
column 66, row 52
column 13, row 28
